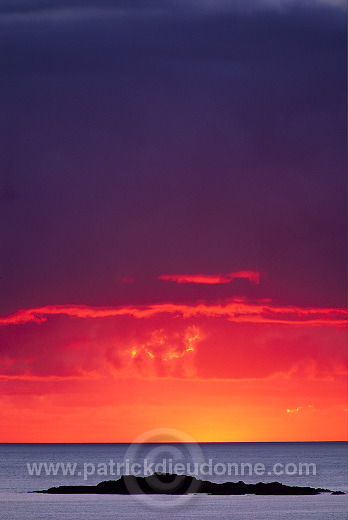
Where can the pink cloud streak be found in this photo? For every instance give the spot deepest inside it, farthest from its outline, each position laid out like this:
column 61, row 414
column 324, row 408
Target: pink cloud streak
column 236, row 311
column 211, row 279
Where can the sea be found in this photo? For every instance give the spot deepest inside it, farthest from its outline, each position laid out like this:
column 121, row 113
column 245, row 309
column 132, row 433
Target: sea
column 31, row 467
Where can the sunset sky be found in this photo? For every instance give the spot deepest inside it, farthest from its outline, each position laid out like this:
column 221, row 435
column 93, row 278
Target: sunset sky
column 173, row 220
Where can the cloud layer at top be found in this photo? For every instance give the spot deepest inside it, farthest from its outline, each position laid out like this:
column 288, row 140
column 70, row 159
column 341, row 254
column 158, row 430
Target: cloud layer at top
column 117, row 6
column 149, row 6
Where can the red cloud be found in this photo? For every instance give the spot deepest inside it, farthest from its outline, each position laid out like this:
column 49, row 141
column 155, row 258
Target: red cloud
column 232, row 341
column 234, row 310
column 211, row 279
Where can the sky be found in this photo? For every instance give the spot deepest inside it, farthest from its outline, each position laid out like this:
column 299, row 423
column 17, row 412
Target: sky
column 173, row 220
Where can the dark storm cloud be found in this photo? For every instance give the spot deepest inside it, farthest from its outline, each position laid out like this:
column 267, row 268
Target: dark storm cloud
column 141, row 141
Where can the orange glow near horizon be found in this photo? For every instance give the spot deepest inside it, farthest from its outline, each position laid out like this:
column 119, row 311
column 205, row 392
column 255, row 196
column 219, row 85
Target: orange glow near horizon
column 197, row 408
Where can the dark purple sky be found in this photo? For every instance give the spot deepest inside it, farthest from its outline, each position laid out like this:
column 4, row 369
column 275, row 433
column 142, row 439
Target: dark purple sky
column 146, row 138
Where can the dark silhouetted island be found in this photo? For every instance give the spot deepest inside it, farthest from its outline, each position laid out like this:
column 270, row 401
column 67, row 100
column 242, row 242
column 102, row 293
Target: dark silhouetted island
column 170, row 484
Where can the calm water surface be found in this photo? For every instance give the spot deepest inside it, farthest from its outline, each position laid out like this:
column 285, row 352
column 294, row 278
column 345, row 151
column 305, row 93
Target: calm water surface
column 17, row 504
